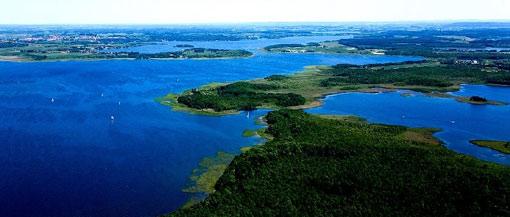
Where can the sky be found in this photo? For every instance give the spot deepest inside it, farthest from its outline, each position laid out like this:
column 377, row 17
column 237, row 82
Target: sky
column 240, row 11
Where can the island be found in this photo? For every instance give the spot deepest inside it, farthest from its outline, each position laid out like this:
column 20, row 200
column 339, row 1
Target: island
column 501, row 146
column 474, row 100
column 185, row 46
column 347, row 167
column 71, row 54
column 313, row 47
column 478, row 100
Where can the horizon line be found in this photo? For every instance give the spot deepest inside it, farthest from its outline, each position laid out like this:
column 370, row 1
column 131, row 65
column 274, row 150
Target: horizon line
column 266, row 22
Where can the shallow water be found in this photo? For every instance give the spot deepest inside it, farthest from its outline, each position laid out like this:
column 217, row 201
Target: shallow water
column 460, row 122
column 62, row 154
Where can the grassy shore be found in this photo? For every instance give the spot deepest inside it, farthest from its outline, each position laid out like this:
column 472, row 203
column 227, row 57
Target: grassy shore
column 469, row 100
column 203, row 178
column 343, row 166
column 501, row 146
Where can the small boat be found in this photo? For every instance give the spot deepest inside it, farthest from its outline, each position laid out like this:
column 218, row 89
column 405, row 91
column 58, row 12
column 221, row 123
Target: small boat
column 119, row 102
column 453, row 122
column 52, row 100
column 112, row 118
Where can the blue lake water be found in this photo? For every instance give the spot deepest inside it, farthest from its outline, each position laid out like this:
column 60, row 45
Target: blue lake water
column 61, row 154
column 251, row 45
column 460, row 122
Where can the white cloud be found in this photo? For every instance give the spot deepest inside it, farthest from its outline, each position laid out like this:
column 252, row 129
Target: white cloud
column 213, row 11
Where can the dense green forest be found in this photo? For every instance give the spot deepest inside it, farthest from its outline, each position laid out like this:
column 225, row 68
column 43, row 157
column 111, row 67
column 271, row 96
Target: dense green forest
column 238, row 96
column 432, row 76
column 318, row 166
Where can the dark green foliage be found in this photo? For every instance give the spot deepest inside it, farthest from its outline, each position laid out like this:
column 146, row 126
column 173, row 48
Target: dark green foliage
column 384, row 64
column 289, row 99
column 503, row 79
column 12, row 44
column 431, row 76
column 276, row 77
column 322, row 167
column 246, row 88
column 239, row 96
column 425, row 81
column 184, row 46
column 276, row 46
column 37, row 57
column 477, row 99
column 313, row 44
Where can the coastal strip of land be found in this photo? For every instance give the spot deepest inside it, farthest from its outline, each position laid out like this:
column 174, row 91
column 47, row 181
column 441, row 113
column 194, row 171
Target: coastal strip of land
column 501, row 146
column 306, row 89
column 63, row 54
